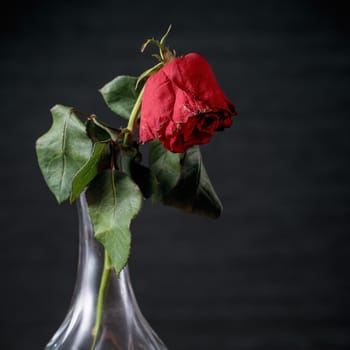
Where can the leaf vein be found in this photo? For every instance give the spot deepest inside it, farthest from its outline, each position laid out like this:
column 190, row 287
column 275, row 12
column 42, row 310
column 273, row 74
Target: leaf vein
column 65, row 125
column 114, row 195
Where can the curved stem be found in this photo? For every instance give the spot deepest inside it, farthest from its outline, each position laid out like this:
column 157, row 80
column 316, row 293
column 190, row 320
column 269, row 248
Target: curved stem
column 133, row 116
column 106, row 273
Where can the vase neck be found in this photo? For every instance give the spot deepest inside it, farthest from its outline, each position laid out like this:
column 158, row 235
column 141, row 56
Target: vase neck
column 91, row 260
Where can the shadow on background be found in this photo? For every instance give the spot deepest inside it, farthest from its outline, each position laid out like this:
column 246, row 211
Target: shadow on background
column 272, row 272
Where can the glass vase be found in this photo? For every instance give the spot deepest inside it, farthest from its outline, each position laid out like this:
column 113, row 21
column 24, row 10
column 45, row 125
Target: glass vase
column 123, row 326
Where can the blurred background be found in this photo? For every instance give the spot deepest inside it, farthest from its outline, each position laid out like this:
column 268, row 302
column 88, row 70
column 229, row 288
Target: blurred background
column 272, row 272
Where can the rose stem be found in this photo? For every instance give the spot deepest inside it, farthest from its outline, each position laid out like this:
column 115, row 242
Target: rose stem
column 133, row 116
column 106, row 273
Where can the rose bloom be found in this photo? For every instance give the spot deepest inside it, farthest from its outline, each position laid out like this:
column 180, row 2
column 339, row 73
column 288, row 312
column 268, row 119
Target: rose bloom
column 183, row 105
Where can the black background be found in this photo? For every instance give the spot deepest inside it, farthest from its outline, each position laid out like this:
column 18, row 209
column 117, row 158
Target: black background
column 272, row 272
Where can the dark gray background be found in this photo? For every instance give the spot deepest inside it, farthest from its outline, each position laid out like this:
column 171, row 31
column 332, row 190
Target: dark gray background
column 272, row 272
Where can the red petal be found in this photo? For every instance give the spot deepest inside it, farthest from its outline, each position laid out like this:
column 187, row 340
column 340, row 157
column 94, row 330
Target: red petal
column 157, row 105
column 183, row 104
column 193, row 74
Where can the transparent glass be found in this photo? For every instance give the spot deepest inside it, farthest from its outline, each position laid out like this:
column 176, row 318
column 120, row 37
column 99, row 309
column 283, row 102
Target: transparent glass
column 123, row 325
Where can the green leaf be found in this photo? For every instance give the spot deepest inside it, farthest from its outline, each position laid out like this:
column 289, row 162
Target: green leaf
column 113, row 201
column 102, row 132
column 129, row 160
column 62, row 151
column 143, row 177
column 120, row 95
column 194, row 192
column 88, row 172
column 181, row 181
column 96, row 133
column 124, row 157
column 165, row 167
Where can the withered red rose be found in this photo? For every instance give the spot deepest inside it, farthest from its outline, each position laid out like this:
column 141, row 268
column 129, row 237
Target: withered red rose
column 183, row 105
